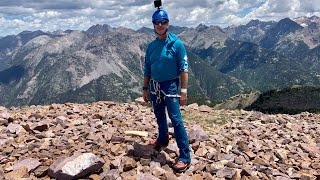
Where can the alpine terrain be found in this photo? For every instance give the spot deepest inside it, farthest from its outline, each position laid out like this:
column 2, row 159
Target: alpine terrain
column 105, row 63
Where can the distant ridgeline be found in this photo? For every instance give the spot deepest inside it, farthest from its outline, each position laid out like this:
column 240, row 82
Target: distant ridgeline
column 288, row 101
column 226, row 65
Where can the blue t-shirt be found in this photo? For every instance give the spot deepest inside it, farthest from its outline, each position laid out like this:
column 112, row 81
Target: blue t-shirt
column 165, row 59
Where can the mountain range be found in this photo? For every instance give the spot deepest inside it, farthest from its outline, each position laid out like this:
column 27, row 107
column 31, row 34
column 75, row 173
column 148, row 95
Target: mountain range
column 105, row 63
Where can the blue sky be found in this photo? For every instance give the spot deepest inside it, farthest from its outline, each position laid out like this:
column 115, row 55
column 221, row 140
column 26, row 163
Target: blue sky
column 20, row 15
column 249, row 9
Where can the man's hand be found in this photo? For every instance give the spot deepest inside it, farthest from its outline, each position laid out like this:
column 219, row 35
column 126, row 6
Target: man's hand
column 183, row 99
column 146, row 81
column 145, row 96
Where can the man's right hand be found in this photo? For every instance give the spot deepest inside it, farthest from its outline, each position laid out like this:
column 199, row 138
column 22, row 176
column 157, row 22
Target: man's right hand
column 145, row 96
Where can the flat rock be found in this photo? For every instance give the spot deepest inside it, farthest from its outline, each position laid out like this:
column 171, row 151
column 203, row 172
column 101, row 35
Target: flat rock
column 21, row 172
column 143, row 150
column 137, row 133
column 196, row 133
column 75, row 166
column 14, row 128
column 30, row 163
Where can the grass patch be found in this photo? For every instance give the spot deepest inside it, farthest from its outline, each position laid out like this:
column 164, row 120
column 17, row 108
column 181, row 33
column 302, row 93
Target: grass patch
column 207, row 119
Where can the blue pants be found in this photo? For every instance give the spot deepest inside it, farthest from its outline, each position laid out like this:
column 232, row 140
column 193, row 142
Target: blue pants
column 160, row 102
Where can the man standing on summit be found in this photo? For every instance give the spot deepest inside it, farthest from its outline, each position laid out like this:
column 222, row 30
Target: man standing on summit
column 165, row 62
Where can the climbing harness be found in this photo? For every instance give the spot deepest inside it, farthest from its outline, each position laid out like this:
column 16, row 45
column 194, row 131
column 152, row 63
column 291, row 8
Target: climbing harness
column 157, row 92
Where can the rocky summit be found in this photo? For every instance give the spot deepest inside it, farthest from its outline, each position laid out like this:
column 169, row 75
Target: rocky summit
column 107, row 140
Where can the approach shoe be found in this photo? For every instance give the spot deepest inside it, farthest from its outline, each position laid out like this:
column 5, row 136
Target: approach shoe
column 158, row 146
column 181, row 166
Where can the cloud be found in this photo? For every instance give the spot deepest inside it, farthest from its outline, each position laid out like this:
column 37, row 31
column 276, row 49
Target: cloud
column 276, row 10
column 20, row 15
column 48, row 14
column 230, row 6
column 15, row 10
column 312, row 6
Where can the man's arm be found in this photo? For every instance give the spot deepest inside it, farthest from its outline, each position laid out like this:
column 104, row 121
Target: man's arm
column 146, row 81
column 184, row 86
column 146, row 74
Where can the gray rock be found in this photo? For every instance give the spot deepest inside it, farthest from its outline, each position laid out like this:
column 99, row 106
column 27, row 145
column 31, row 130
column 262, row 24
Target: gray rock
column 5, row 115
column 196, row 133
column 128, row 163
column 14, row 128
column 41, row 171
column 214, row 167
column 113, row 174
column 226, row 173
column 75, row 166
column 143, row 150
column 30, row 163
column 3, row 122
column 146, row 176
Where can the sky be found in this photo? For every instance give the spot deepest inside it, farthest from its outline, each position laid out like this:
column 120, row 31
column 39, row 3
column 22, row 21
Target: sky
column 51, row 15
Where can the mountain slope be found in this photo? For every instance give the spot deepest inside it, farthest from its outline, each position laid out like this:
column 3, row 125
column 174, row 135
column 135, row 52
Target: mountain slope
column 66, row 64
column 213, row 83
column 253, row 31
column 204, row 37
column 262, row 69
column 257, row 67
column 9, row 45
column 105, row 63
column 282, row 28
column 290, row 100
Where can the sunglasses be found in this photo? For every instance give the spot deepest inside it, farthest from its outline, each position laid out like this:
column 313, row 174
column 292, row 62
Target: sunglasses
column 162, row 22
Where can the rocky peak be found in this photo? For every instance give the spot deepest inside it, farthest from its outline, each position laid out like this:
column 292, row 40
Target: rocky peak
column 68, row 31
column 216, row 30
column 207, row 37
column 124, row 30
column 145, row 30
column 107, row 140
column 9, row 45
column 287, row 24
column 307, row 21
column 303, row 20
column 201, row 27
column 36, row 42
column 26, row 36
column 31, row 32
column 99, row 29
column 279, row 30
column 60, row 32
column 306, row 33
column 177, row 29
column 261, row 24
column 253, row 31
column 14, row 41
column 254, row 22
column 314, row 17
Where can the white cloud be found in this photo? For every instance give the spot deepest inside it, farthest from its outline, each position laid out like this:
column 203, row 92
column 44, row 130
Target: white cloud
column 230, row 6
column 311, row 6
column 20, row 15
column 48, row 14
column 2, row 20
column 274, row 10
column 233, row 19
column 196, row 13
column 15, row 10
